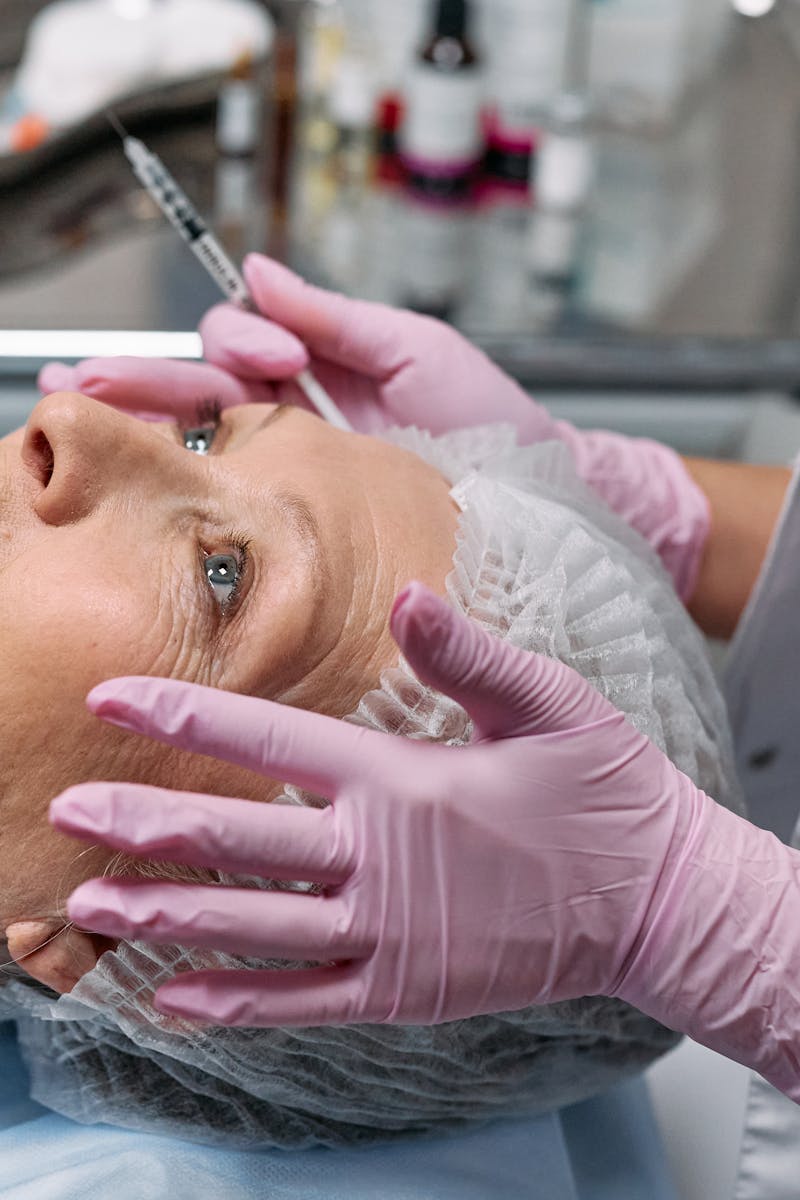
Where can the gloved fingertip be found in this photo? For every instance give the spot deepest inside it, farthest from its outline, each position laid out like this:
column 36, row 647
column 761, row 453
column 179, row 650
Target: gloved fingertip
column 274, row 352
column 251, row 346
column 260, row 271
column 108, row 702
column 280, row 293
column 175, row 999
column 91, row 906
column 81, row 810
column 419, row 617
column 253, row 262
column 55, row 377
column 407, row 605
column 64, row 810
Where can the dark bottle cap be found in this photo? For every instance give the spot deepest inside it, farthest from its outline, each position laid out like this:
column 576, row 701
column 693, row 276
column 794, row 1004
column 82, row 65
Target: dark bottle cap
column 452, row 18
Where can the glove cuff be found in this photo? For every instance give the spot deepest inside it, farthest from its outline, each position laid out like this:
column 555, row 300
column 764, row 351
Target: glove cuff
column 720, row 955
column 647, row 485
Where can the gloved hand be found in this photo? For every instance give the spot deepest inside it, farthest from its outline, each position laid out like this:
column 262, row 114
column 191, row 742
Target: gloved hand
column 559, row 854
column 158, row 387
column 384, row 366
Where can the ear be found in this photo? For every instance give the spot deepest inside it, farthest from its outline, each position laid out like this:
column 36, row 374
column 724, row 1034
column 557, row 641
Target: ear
column 54, row 954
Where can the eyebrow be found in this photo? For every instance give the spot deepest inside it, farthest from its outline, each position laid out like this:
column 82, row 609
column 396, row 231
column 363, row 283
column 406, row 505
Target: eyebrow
column 270, row 418
column 296, row 509
column 178, row 428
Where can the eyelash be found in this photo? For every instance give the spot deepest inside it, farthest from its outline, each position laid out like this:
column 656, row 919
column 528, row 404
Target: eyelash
column 208, row 411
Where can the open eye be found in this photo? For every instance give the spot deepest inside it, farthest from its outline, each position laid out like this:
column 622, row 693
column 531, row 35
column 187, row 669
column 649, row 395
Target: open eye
column 223, row 572
column 207, row 417
column 199, row 440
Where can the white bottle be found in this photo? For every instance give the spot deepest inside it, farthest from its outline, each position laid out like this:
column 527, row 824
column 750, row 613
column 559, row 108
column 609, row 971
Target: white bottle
column 441, row 135
column 561, row 181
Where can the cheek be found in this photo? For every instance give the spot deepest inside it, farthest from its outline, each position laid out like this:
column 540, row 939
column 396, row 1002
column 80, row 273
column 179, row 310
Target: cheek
column 70, row 618
column 44, row 750
column 39, row 868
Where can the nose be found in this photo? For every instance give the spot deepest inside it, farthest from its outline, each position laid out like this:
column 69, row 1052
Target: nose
column 80, row 451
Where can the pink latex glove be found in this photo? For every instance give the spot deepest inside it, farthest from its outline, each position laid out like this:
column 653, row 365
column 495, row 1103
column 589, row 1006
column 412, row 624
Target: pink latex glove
column 384, row 366
column 559, row 854
column 159, row 387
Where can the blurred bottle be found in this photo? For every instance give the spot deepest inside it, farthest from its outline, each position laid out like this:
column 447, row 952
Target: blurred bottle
column 321, row 43
column 437, row 245
column 441, row 135
column 562, row 177
column 526, row 45
column 564, row 168
column 397, row 31
column 351, row 108
column 497, row 299
column 388, row 116
column 240, row 203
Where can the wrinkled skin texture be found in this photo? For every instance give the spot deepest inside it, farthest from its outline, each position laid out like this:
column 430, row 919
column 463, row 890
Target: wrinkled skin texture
column 105, row 525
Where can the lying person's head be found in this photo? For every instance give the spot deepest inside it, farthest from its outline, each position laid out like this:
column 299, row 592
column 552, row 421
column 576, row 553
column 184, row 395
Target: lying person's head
column 113, row 529
column 267, row 566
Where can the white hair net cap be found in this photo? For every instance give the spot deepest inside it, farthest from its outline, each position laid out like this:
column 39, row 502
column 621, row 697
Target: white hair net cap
column 541, row 562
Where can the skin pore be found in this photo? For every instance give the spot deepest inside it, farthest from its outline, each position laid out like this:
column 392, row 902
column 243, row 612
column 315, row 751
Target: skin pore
column 268, row 566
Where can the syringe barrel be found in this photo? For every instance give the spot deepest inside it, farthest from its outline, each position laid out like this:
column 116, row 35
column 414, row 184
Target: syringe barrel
column 170, row 198
column 220, row 268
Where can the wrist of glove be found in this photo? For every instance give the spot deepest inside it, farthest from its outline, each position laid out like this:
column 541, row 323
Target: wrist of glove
column 718, row 955
column 647, row 485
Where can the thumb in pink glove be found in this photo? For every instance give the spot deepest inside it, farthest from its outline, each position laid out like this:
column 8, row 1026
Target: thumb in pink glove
column 559, row 854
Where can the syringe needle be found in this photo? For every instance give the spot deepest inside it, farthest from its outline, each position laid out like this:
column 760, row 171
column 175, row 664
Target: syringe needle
column 116, row 124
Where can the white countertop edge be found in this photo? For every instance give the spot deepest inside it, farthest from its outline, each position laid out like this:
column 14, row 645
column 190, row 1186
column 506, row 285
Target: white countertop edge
column 47, row 344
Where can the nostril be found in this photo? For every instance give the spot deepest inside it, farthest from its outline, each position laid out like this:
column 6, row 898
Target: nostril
column 42, row 456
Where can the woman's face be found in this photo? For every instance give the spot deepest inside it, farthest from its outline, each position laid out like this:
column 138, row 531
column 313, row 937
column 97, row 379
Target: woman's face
column 268, row 566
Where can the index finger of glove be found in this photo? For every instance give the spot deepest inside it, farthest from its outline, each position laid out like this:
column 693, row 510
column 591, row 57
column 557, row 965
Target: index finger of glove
column 357, row 334
column 275, row 841
column 313, row 996
column 161, row 385
column 319, row 753
column 249, row 921
column 249, row 345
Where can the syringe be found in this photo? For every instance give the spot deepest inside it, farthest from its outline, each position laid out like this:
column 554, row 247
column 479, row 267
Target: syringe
column 181, row 213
